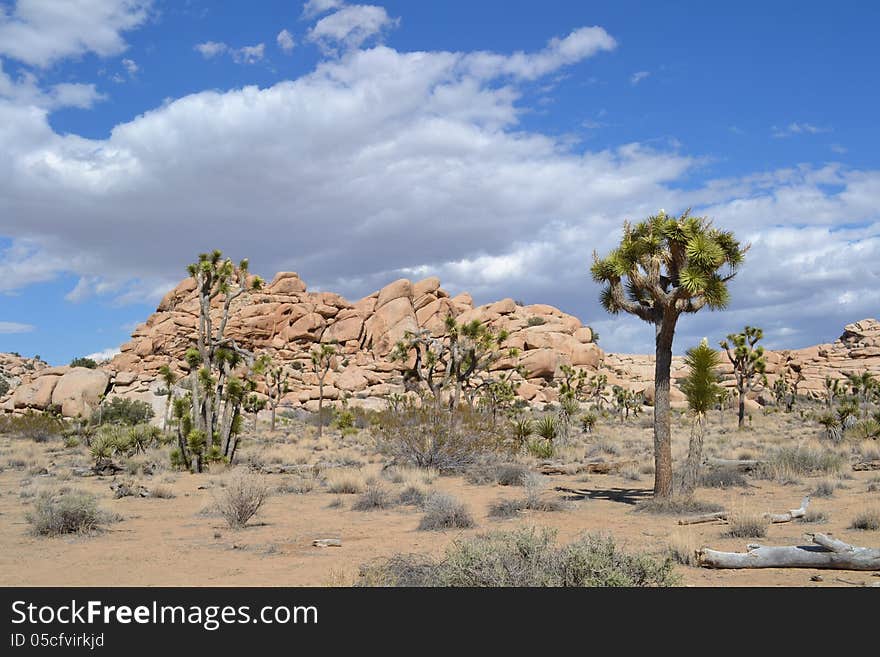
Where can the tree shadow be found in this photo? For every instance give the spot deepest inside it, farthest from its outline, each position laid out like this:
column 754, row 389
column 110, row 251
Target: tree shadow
column 629, row 496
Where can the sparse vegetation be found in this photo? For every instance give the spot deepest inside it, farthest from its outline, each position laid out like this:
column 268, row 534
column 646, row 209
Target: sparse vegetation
column 745, row 525
column 67, row 512
column 525, row 557
column 241, row 498
column 868, row 520
column 443, row 511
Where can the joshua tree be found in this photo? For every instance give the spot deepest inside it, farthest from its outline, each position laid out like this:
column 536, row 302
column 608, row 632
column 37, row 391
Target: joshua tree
column 596, row 390
column 572, row 384
column 786, row 386
column 254, row 404
column 277, row 379
column 665, row 267
column 322, row 361
column 748, row 363
column 169, row 378
column 862, row 386
column 833, row 388
column 451, row 360
column 215, row 355
column 701, row 389
column 723, row 401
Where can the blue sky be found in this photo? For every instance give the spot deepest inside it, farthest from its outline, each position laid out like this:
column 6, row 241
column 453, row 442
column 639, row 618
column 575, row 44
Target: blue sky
column 314, row 138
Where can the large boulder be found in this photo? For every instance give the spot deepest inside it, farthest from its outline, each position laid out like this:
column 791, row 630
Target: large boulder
column 399, row 289
column 540, row 363
column 388, row 325
column 79, row 391
column 36, row 394
column 286, row 282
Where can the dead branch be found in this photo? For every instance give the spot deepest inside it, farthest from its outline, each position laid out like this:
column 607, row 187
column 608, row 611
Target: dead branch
column 773, row 518
column 825, row 552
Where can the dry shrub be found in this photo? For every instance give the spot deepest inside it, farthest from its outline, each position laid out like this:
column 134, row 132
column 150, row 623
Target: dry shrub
column 67, row 512
column 523, row 557
column 429, row 437
column 746, row 525
column 724, row 477
column 682, row 548
column 162, row 492
column 374, row 497
column 867, row 520
column 241, row 498
column 345, row 483
column 443, row 511
column 787, row 463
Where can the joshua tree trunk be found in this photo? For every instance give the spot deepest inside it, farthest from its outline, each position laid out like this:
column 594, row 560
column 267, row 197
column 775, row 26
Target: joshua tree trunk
column 272, row 426
column 320, row 408
column 665, row 331
column 695, row 456
column 742, row 409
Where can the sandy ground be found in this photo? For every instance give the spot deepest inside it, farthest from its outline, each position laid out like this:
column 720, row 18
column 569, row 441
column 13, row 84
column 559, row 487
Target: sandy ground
column 174, row 542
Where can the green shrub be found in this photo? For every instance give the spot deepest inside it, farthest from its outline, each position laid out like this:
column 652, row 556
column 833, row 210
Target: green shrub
column 84, row 362
column 536, row 321
column 39, row 427
column 524, row 557
column 4, row 386
column 67, row 512
column 540, row 448
column 121, row 410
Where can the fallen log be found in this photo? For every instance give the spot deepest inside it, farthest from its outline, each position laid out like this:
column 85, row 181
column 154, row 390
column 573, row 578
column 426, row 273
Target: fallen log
column 327, row 542
column 599, row 467
column 572, row 491
column 826, row 552
column 742, row 465
column 772, row 518
column 866, row 465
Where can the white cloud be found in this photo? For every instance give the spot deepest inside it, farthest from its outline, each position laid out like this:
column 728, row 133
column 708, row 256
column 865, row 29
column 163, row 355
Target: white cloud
column 210, row 49
column 385, row 163
column 350, row 27
column 797, row 129
column 104, row 354
column 40, row 33
column 27, row 91
column 130, row 66
column 249, row 54
column 638, row 77
column 15, row 327
column 314, row 8
column 285, row 41
column 581, row 44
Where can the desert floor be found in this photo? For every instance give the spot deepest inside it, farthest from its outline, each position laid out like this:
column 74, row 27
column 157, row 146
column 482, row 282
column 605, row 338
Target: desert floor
column 181, row 541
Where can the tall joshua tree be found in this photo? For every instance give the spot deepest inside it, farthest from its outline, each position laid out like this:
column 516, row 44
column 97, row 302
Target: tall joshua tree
column 322, row 361
column 749, row 364
column 702, row 390
column 663, row 268
column 169, row 378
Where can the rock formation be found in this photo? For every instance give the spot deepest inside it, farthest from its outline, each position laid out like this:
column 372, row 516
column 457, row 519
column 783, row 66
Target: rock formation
column 285, row 320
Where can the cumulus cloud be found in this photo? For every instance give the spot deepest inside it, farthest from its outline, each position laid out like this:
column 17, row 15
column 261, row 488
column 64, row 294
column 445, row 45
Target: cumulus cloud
column 314, row 8
column 15, row 327
column 130, row 66
column 577, row 46
column 285, row 41
column 26, row 90
column 350, row 27
column 40, row 33
column 104, row 354
column 387, row 163
column 210, row 49
column 249, row 54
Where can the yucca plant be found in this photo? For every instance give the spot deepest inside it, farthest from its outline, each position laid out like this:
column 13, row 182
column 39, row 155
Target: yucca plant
column 701, row 389
column 588, row 422
column 522, row 430
column 548, row 428
column 665, row 267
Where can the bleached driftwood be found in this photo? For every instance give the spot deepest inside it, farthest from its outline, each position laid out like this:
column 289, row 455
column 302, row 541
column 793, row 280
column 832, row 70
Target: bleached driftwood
column 826, row 552
column 773, row 518
column 327, row 542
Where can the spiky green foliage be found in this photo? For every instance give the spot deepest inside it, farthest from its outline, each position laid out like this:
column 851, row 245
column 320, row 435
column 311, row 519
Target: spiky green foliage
column 667, row 264
column 548, row 428
column 749, row 364
column 701, row 388
column 664, row 267
column 277, row 378
column 84, row 362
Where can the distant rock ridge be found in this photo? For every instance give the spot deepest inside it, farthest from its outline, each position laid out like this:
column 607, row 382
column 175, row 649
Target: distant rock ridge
column 285, row 320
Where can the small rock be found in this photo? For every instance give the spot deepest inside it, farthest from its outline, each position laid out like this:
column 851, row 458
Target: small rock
column 817, row 578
